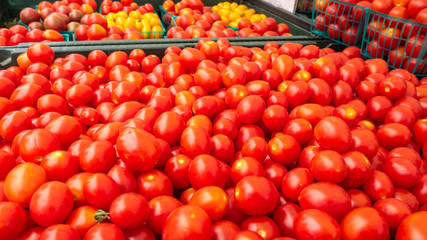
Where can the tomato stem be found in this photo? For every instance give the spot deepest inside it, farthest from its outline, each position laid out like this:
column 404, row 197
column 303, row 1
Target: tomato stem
column 101, row 215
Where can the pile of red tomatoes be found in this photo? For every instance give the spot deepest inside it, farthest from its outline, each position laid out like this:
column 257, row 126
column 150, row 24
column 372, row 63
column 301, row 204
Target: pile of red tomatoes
column 213, row 142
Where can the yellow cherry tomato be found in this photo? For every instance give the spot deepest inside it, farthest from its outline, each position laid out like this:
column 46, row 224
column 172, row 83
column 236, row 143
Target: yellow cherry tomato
column 242, row 7
column 225, row 19
column 234, row 24
column 154, row 22
column 121, row 14
column 135, row 14
column 129, row 23
column 156, row 32
column 139, row 25
column 111, row 23
column 215, row 8
column 146, row 31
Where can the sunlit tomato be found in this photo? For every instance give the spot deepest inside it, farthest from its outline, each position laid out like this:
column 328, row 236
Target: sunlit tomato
column 169, row 127
column 378, row 186
column 213, row 200
column 284, row 149
column 294, row 182
column 192, row 219
column 59, row 165
column 66, row 128
column 82, row 219
column 358, row 170
column 22, row 181
column 195, row 141
column 328, row 166
column 328, row 227
column 129, row 211
column 256, row 202
column 105, row 231
column 393, row 135
column 160, row 208
column 51, row 203
column 366, row 223
column 129, row 147
column 40, row 52
column 317, row 195
column 333, row 133
column 100, row 190
column 13, row 220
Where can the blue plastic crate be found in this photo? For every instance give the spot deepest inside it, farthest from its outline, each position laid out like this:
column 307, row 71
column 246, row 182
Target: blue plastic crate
column 333, row 20
column 167, row 18
column 402, row 43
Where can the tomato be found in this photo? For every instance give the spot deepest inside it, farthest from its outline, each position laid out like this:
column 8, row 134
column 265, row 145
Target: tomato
column 222, row 147
column 213, row 200
column 98, row 156
column 66, row 128
column 378, row 186
column 129, row 211
column 22, row 181
column 333, row 133
column 82, row 219
column 393, row 210
column 40, row 52
column 193, row 219
column 411, row 226
column 160, row 208
column 284, row 149
column 224, row 229
column 51, row 203
column 393, row 135
column 328, row 166
column 26, row 95
column 358, row 170
column 366, row 223
column 12, row 219
column 246, row 234
column 256, row 202
column 169, row 127
column 100, row 190
column 326, row 226
column 32, row 233
column 208, row 78
column 419, row 190
column 7, row 163
column 140, row 233
column 138, row 149
column 107, row 231
column 402, row 172
column 189, row 58
column 250, row 109
column 264, row 226
column 232, row 75
column 35, row 144
column 59, row 165
column 195, row 141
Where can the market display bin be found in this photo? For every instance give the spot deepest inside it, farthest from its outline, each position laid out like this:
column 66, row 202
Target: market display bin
column 331, row 19
column 9, row 55
column 305, row 6
column 297, row 25
column 402, row 43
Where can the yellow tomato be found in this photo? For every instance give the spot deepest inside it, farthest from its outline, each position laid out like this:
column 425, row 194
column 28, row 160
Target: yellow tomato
column 249, row 12
column 234, row 24
column 135, row 14
column 224, row 12
column 120, row 21
column 121, row 14
column 215, row 8
column 146, row 22
column 139, row 25
column 111, row 23
column 234, row 5
column 263, row 17
column 225, row 19
column 242, row 7
column 239, row 11
column 146, row 31
column 233, row 16
column 110, row 15
column 129, row 23
column 156, row 32
column 154, row 22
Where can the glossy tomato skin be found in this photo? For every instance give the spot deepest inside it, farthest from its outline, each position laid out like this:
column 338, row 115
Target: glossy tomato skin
column 247, row 198
column 129, row 211
column 295, row 181
column 107, row 231
column 393, row 210
column 328, row 166
column 22, row 181
column 51, row 203
column 59, row 231
column 366, row 223
column 205, row 170
column 12, row 219
column 327, row 227
column 333, row 133
column 154, row 183
column 317, row 196
column 160, row 208
column 138, row 149
column 82, row 219
column 411, row 227
column 100, row 190
column 192, row 219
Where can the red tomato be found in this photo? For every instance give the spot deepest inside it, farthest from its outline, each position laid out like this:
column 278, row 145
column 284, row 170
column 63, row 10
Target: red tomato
column 160, row 209
column 366, row 223
column 213, row 200
column 256, row 202
column 35, row 144
column 82, row 219
column 98, row 156
column 107, row 231
column 393, row 210
column 59, row 165
column 129, row 211
column 51, row 203
column 328, row 227
column 138, row 149
column 22, row 181
column 188, row 222
column 333, row 133
column 40, row 52
column 100, row 190
column 154, row 183
column 12, row 219
column 328, row 166
column 378, row 186
column 66, row 128
column 411, row 226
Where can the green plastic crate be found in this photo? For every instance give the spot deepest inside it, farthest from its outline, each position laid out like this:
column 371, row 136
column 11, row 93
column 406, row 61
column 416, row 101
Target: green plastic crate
column 333, row 20
column 305, row 6
column 384, row 40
